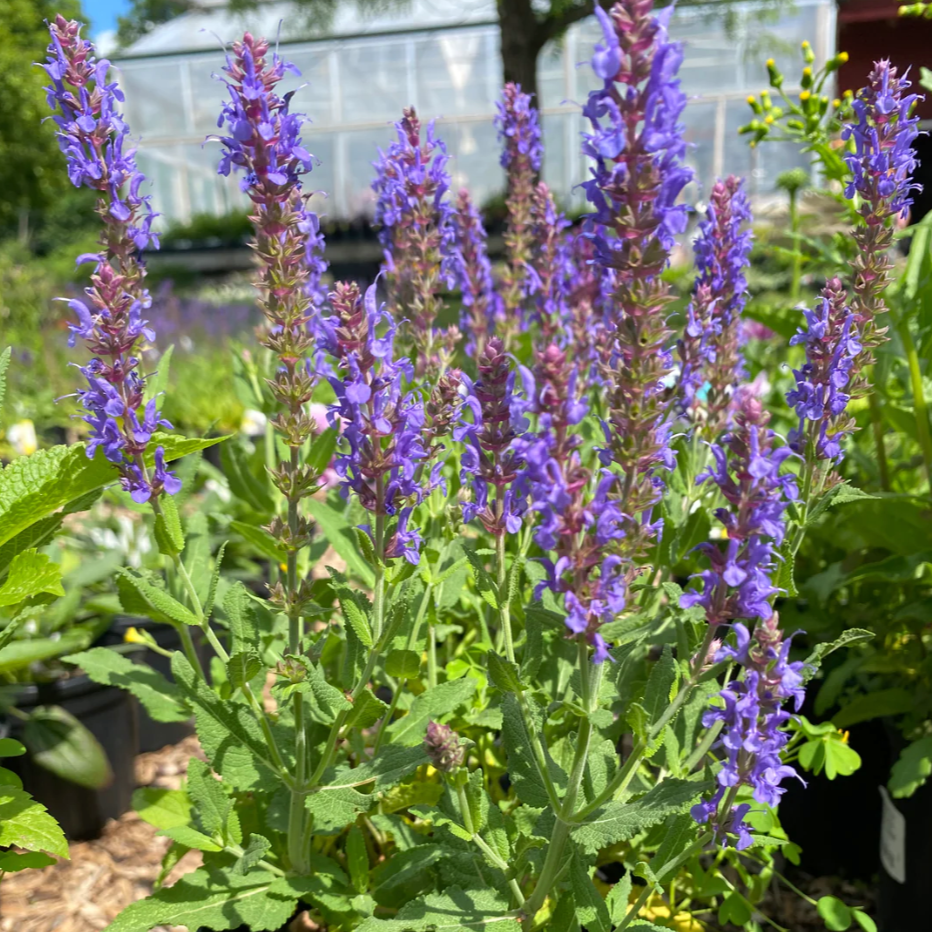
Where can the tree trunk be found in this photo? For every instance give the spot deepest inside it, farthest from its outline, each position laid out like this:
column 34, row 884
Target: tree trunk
column 521, row 44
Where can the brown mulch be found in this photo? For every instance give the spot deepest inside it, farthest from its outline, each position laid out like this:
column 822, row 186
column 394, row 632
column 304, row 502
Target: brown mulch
column 85, row 893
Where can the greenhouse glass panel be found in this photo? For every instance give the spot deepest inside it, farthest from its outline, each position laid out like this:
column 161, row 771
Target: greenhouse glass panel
column 157, row 98
column 374, row 81
column 452, row 69
column 475, row 154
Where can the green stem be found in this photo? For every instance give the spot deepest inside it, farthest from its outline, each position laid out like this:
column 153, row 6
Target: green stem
column 877, row 427
column 187, row 645
column 504, row 607
column 554, row 861
column 919, row 399
column 797, row 254
column 412, row 642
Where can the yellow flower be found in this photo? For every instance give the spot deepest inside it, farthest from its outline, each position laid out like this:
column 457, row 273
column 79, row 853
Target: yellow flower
column 770, row 63
column 805, row 44
column 768, row 119
column 752, row 99
column 842, row 57
column 836, row 103
column 844, row 736
column 134, row 636
column 804, row 96
column 807, row 72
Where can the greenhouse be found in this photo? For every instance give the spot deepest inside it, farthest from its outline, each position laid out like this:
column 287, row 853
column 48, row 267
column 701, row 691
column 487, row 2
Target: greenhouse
column 441, row 56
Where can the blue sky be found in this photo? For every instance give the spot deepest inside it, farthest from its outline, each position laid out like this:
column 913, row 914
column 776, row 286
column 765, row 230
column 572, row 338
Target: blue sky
column 103, row 13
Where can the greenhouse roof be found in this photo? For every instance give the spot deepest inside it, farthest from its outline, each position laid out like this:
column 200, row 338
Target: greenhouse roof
column 213, row 21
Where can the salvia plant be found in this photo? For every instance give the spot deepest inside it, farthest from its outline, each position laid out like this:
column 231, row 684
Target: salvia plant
column 524, row 667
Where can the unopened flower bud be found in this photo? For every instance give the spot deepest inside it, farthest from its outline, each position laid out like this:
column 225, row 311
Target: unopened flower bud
column 444, row 747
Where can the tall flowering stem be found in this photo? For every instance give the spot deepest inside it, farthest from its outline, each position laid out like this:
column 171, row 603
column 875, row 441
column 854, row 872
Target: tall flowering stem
column 93, row 137
column 417, row 234
column 518, row 125
column 552, row 269
column 637, row 148
column 474, row 276
column 739, row 586
column 264, row 144
column 881, row 168
column 709, row 350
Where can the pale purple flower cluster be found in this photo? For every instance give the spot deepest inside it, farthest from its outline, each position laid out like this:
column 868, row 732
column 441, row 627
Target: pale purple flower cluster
column 709, row 349
column 883, row 162
column 822, row 390
column 474, row 275
column 381, row 423
column 747, row 471
column 753, row 715
column 518, row 125
column 417, row 232
column 92, row 135
column 552, row 271
column 491, row 458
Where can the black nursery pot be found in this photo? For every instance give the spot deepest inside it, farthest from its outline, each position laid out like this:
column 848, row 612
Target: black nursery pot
column 154, row 735
column 110, row 716
column 905, row 855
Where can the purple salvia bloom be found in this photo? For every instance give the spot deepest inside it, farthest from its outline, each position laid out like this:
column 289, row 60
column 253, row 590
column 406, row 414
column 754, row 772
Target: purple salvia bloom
column 417, row 234
column 587, row 292
column 264, row 145
column 490, row 423
column 753, row 716
column 518, row 125
column 825, row 383
column 637, row 147
column 551, row 271
column 92, row 135
column 709, row 350
column 882, row 166
column 383, row 427
column 746, row 469
column 474, row 276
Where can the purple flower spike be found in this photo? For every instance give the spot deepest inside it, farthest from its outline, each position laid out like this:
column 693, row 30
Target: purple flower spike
column 490, row 433
column 747, row 471
column 709, row 350
column 882, row 166
column 518, row 126
column 474, row 276
column 552, row 270
column 753, row 715
column 383, row 427
column 828, row 378
column 637, row 148
column 92, row 135
column 418, row 235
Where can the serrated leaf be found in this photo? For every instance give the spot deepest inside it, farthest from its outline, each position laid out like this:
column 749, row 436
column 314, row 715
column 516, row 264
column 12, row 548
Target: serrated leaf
column 210, row 802
column 591, row 911
column 354, row 615
column 660, row 685
column 162, row 808
column 33, row 487
column 679, row 834
column 26, row 824
column 403, row 664
column 159, row 599
column 617, row 821
column 161, row 699
column 255, row 851
column 240, row 611
column 242, row 667
column 522, row 769
column 841, row 494
column 168, row 533
column 191, row 838
column 357, row 859
column 60, row 743
column 214, row 581
column 212, row 899
column 484, row 583
column 30, row 574
column 405, row 875
column 339, row 534
column 436, row 704
column 847, row 639
column 453, row 910
column 367, row 710
column 328, row 700
column 334, row 809
column 387, row 768
column 502, row 673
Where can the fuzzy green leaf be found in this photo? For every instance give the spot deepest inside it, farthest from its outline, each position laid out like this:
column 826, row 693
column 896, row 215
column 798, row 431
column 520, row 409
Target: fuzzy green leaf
column 242, row 667
column 591, row 911
column 159, row 599
column 217, row 899
column 453, row 910
column 403, row 664
column 334, row 809
column 618, row 821
column 522, row 769
column 255, row 851
column 367, row 710
column 162, row 808
column 11, row 861
column 162, row 699
column 26, row 824
column 436, row 704
column 168, row 533
column 357, row 859
column 30, row 574
column 240, row 610
column 387, row 768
